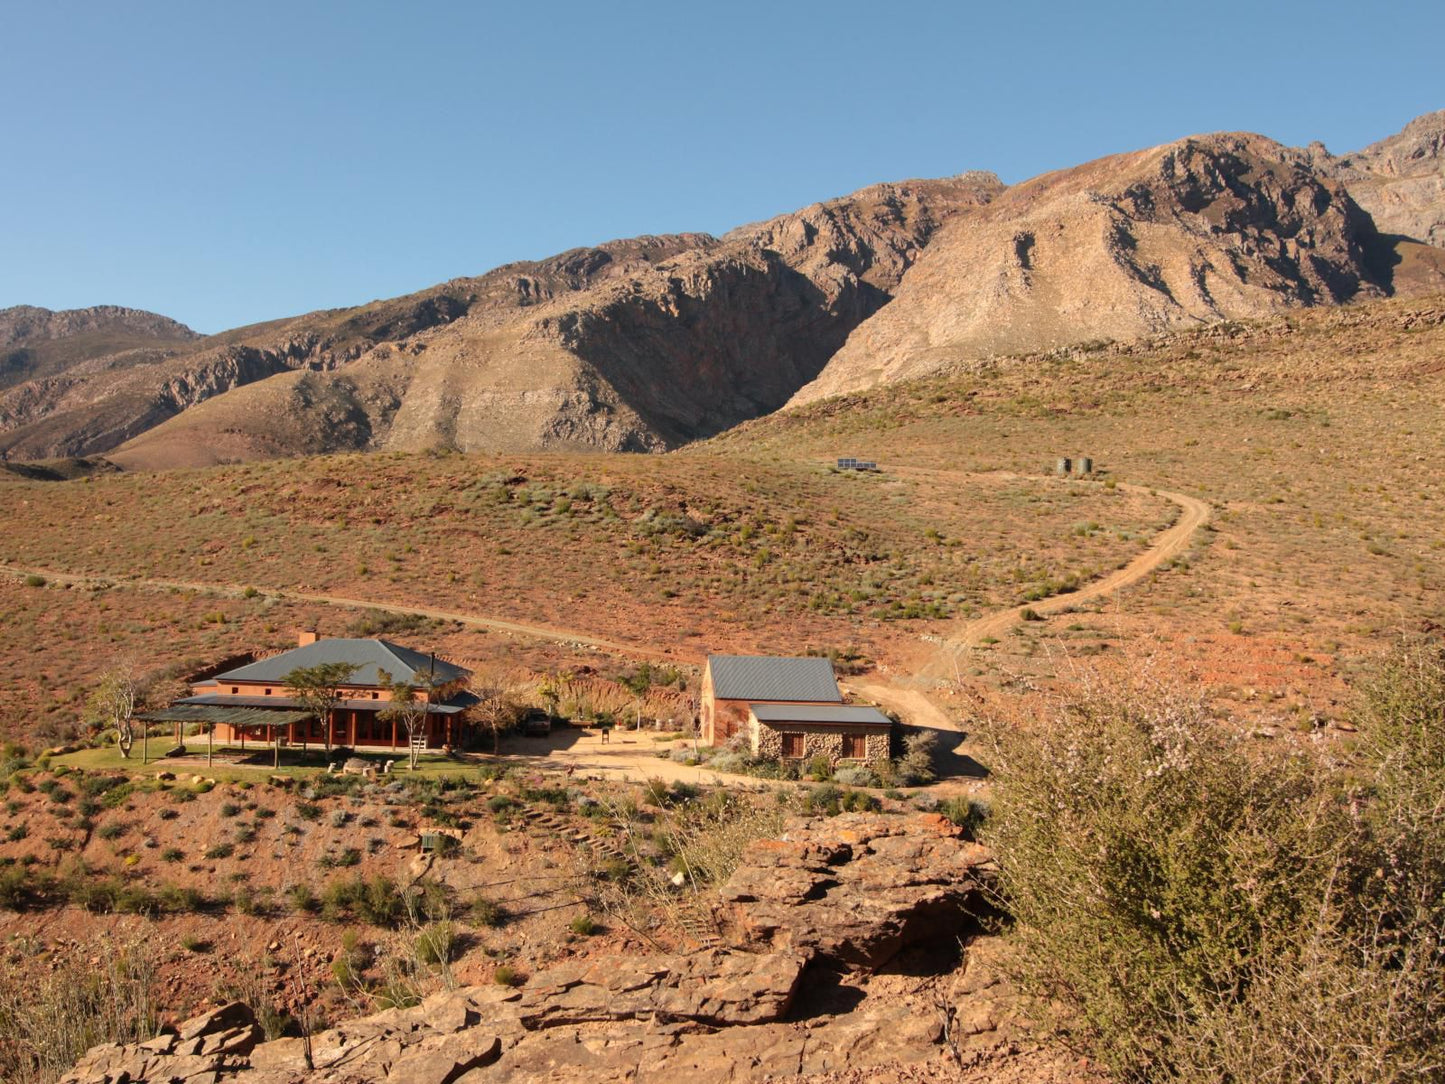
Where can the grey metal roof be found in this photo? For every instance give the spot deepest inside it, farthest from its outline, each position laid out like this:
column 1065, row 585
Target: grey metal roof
column 768, row 677
column 275, row 702
column 820, row 714
column 368, row 656
column 215, row 713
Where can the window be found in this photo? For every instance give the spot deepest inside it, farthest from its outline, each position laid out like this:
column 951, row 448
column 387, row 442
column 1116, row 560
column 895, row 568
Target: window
column 235, row 689
column 376, row 696
column 855, row 747
column 268, row 690
column 793, row 745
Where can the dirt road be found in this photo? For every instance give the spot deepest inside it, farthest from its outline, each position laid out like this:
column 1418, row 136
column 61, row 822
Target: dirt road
column 1170, row 543
column 495, row 624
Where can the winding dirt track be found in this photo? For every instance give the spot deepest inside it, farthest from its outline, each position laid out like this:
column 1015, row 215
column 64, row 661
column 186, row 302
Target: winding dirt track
column 1169, row 544
column 495, row 624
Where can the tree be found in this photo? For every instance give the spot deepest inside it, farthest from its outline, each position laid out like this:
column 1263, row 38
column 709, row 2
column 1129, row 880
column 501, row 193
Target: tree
column 318, row 688
column 498, row 710
column 551, row 693
column 112, row 705
column 409, row 708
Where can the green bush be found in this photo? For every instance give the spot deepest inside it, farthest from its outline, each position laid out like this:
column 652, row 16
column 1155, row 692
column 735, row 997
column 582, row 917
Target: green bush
column 1202, row 910
column 436, row 944
column 488, row 912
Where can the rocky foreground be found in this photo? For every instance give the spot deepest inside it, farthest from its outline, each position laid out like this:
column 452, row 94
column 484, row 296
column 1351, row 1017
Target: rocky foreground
column 845, row 959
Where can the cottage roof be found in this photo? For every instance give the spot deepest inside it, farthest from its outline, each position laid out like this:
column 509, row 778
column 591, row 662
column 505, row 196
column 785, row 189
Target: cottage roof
column 820, row 714
column 368, row 656
column 768, row 677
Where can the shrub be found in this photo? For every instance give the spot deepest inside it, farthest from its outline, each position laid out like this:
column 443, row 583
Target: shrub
column 34, row 580
column 584, row 926
column 436, row 943
column 915, row 767
column 111, row 830
column 192, row 943
column 307, row 811
column 506, row 976
column 824, row 798
column 1205, row 911
column 855, row 777
column 172, row 854
column 230, row 809
column 820, row 769
column 302, row 898
column 219, row 850
column 488, row 912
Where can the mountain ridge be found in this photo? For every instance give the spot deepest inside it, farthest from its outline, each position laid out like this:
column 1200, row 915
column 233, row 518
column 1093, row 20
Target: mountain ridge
column 648, row 343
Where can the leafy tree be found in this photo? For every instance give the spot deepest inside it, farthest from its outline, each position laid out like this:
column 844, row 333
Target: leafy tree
column 112, row 704
column 318, row 688
column 408, row 708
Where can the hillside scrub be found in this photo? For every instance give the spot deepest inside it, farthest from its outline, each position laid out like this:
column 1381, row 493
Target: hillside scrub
column 1201, row 909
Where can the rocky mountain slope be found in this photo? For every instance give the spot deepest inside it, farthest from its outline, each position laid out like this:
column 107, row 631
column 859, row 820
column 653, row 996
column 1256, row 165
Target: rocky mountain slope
column 1400, row 180
column 1205, row 229
column 36, row 343
column 633, row 345
column 649, row 343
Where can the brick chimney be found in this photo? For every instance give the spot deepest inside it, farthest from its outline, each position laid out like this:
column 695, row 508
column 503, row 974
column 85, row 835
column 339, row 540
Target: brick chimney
column 305, row 637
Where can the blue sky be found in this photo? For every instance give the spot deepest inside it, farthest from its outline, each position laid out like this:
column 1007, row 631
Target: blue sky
column 229, row 163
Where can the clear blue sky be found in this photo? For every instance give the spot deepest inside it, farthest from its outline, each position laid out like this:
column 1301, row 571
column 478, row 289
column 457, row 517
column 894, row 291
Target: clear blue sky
column 225, row 163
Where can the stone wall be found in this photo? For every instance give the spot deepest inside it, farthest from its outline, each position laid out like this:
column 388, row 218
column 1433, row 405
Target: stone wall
column 767, row 742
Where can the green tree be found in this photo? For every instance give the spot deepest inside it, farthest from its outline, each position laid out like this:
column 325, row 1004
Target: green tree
column 318, row 688
column 409, row 708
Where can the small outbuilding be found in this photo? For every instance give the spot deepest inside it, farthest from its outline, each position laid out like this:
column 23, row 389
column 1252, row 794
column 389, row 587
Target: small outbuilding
column 733, row 684
column 842, row 733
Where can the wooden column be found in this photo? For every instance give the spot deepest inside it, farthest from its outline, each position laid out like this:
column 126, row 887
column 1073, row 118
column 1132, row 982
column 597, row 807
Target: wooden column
column 210, row 743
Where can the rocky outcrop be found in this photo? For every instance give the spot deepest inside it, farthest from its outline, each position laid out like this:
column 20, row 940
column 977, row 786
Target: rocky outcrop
column 830, row 897
column 856, row 889
column 1206, row 229
column 715, row 987
column 1400, row 180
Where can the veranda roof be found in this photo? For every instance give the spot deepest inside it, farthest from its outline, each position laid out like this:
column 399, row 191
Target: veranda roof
column 227, row 715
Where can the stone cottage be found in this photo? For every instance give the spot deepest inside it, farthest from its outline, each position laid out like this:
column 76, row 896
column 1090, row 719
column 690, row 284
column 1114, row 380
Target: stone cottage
column 732, row 683
column 842, row 733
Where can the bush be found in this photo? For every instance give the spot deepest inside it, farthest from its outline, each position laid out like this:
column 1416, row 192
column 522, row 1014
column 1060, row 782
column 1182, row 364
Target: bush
column 34, row 580
column 584, row 926
column 219, row 850
column 967, row 813
column 1205, row 911
column 488, row 912
column 855, row 777
column 506, row 976
column 824, row 798
column 915, row 767
column 308, row 811
column 436, row 944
